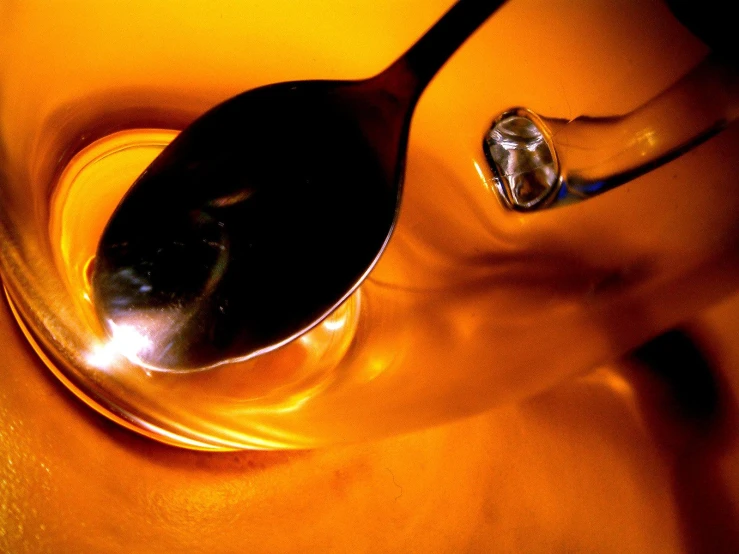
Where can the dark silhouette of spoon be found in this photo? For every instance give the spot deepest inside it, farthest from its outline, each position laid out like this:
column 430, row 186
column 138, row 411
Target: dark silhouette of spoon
column 264, row 214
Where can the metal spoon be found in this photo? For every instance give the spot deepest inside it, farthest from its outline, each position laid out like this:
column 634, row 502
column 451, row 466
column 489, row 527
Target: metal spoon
column 266, row 212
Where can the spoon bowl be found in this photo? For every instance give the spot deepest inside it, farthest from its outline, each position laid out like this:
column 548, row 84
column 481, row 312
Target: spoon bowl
column 265, row 213
column 256, row 222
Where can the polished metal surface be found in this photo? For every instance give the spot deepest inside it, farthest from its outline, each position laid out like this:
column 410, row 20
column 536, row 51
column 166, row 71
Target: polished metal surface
column 266, row 213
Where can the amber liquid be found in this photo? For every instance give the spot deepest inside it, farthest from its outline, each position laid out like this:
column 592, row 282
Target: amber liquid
column 87, row 193
column 602, row 463
column 471, row 306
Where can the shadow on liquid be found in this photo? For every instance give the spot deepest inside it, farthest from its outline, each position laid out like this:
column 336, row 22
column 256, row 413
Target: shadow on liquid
column 692, row 414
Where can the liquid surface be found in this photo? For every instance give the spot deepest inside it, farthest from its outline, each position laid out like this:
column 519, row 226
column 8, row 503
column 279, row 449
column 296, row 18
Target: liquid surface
column 87, row 193
column 526, row 477
column 470, row 307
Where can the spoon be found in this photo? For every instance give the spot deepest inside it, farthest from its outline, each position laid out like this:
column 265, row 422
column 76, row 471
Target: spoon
column 266, row 213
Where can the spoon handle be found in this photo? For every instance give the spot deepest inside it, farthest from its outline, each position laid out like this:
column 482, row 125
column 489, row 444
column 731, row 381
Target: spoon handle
column 417, row 66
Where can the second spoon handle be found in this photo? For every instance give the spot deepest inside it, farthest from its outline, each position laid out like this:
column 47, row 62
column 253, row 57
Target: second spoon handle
column 599, row 154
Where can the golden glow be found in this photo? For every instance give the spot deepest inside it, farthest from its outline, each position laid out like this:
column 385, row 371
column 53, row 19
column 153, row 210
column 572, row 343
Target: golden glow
column 88, row 192
column 103, row 355
column 375, row 367
column 128, row 339
column 468, row 303
column 481, row 174
column 153, row 432
column 125, row 340
column 647, row 141
column 575, row 468
column 335, row 323
column 85, row 197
